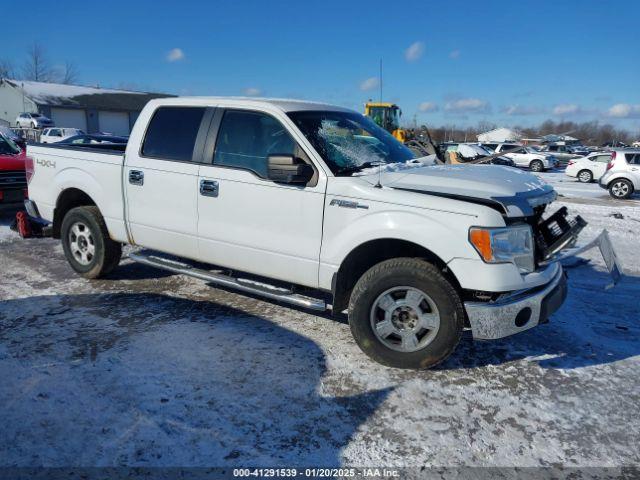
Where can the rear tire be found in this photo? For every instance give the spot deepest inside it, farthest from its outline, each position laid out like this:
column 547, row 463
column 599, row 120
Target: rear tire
column 404, row 313
column 536, row 166
column 585, row 176
column 86, row 243
column 621, row 188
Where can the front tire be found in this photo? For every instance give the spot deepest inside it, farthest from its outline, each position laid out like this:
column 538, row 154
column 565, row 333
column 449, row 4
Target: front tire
column 404, row 313
column 86, row 243
column 585, row 176
column 621, row 188
column 536, row 166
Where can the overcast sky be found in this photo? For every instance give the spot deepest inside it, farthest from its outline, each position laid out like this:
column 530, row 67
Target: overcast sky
column 445, row 62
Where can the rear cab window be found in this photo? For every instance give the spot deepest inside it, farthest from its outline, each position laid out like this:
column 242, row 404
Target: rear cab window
column 172, row 133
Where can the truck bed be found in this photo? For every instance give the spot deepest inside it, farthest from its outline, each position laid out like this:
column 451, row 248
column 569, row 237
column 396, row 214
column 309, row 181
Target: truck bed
column 98, row 170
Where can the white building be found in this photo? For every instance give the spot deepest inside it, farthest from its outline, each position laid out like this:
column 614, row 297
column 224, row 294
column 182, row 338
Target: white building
column 500, row 135
column 90, row 109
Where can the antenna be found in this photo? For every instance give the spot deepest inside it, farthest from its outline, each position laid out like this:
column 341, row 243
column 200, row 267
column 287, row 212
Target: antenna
column 381, row 80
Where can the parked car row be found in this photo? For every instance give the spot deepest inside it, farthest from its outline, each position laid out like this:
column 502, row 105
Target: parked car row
column 526, row 156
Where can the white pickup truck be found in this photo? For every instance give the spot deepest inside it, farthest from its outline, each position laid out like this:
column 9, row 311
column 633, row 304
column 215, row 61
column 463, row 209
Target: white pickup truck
column 316, row 206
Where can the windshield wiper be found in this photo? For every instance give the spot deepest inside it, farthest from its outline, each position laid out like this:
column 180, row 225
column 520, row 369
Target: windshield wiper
column 357, row 168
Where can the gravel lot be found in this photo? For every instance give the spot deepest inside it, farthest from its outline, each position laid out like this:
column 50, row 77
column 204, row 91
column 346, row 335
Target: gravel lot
column 151, row 369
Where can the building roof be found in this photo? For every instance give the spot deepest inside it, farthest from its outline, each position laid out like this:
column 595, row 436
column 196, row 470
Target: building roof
column 499, row 134
column 60, row 95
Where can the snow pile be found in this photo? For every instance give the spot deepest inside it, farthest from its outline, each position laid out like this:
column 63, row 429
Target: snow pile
column 44, row 93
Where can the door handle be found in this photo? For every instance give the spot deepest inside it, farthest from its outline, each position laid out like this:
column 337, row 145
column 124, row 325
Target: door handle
column 209, row 188
column 136, row 177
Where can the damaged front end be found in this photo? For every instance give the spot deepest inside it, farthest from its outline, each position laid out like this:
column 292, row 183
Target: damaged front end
column 556, row 240
column 555, row 245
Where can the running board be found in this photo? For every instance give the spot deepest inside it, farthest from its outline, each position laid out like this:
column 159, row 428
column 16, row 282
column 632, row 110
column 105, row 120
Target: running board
column 248, row 286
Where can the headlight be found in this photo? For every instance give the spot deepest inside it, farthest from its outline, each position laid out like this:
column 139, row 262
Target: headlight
column 505, row 245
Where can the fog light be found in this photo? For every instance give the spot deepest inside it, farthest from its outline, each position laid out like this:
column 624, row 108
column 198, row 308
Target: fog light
column 523, row 317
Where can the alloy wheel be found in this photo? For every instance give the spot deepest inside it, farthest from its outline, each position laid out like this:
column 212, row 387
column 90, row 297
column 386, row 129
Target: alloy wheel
column 620, row 189
column 81, row 243
column 405, row 319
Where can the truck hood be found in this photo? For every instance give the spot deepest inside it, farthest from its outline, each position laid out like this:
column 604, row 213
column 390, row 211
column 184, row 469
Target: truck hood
column 513, row 192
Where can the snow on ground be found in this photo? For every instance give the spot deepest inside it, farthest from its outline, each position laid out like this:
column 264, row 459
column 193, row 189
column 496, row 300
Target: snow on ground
column 152, row 369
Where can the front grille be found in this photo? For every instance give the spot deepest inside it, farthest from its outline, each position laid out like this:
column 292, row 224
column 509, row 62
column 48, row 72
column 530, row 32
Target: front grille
column 553, row 233
column 557, row 232
column 13, row 179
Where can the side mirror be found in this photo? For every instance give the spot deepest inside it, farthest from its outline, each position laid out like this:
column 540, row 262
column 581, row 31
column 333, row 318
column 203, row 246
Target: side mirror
column 288, row 169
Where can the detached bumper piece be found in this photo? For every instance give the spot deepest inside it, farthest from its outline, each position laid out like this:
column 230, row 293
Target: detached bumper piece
column 517, row 312
column 603, row 242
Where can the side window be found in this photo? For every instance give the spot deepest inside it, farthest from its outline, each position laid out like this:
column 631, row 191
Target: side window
column 172, row 133
column 633, row 158
column 603, row 158
column 246, row 139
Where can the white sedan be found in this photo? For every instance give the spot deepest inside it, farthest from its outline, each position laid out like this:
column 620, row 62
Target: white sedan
column 53, row 135
column 528, row 157
column 589, row 168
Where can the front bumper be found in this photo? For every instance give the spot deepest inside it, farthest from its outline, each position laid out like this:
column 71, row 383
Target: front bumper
column 518, row 312
column 524, row 309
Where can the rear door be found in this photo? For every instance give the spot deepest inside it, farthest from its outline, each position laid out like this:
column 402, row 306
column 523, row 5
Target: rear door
column 599, row 165
column 161, row 180
column 247, row 222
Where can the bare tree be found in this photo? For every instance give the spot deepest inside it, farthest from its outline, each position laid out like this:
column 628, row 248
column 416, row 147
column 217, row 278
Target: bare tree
column 69, row 73
column 37, row 65
column 6, row 69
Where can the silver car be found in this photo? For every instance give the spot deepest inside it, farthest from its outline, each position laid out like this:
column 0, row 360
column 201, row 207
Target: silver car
column 33, row 120
column 622, row 177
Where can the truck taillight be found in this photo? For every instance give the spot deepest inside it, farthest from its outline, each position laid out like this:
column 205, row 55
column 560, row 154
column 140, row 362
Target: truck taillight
column 612, row 161
column 28, row 168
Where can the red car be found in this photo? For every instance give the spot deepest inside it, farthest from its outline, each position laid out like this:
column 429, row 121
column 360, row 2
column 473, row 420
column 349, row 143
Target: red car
column 13, row 180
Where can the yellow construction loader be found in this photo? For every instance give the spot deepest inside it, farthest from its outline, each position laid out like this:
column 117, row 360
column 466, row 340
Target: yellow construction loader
column 387, row 116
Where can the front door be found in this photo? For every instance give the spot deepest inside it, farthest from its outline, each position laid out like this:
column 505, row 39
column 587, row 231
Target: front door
column 161, row 182
column 247, row 222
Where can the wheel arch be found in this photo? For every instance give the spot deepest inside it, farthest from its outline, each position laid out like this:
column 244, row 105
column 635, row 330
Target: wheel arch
column 621, row 176
column 67, row 199
column 366, row 255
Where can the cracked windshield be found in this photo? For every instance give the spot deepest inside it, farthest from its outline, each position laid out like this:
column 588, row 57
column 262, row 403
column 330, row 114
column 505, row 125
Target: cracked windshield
column 350, row 142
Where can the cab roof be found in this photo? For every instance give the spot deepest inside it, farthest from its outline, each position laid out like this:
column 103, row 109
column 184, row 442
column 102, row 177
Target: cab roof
column 284, row 104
